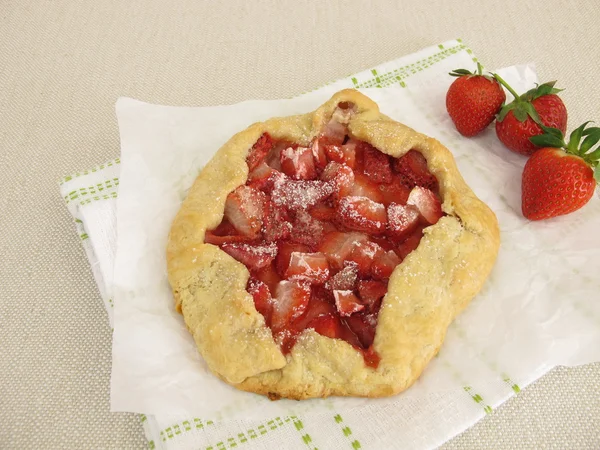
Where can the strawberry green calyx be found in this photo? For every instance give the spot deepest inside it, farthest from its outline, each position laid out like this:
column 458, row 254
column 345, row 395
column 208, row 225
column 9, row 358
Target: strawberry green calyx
column 541, row 90
column 521, row 105
column 465, row 72
column 553, row 137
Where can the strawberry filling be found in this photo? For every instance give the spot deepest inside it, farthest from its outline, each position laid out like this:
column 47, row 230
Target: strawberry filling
column 321, row 229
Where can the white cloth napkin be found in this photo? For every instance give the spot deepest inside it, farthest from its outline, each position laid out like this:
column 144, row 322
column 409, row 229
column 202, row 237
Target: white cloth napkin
column 413, row 421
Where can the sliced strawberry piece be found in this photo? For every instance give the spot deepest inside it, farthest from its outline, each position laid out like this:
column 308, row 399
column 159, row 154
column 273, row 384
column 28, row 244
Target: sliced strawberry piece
column 402, row 220
column 338, row 246
column 317, row 306
column 395, row 192
column 427, row 203
column 291, row 300
column 262, row 298
column 259, row 176
column 269, row 276
column 349, row 152
column 320, row 305
column 341, row 176
column 363, row 254
column 264, row 178
column 322, row 211
column 259, row 151
column 410, row 243
column 363, row 187
column 310, row 267
column 330, row 170
column 385, row 264
column 359, row 151
column 362, row 329
column 384, row 242
column 321, row 293
column 298, row 163
column 282, row 261
column 244, row 208
column 327, row 325
column 253, row 257
column 328, row 227
column 301, row 194
column 334, row 152
column 343, row 154
column 362, row 214
column 276, row 224
column 334, row 133
column 225, row 232
column 273, row 159
column 306, row 229
column 371, row 292
column 319, row 155
column 347, row 303
column 224, row 229
column 211, row 238
column 413, row 167
column 345, row 279
column 376, row 165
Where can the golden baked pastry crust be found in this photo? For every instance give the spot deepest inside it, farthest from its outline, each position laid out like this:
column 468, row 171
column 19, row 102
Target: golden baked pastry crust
column 425, row 292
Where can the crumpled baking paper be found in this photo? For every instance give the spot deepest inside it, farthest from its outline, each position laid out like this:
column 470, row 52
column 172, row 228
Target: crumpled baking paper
column 539, row 308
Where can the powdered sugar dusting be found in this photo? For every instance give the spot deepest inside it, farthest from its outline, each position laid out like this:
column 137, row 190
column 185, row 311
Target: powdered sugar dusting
column 312, row 267
column 401, row 217
column 362, row 212
column 345, row 279
column 369, row 249
column 300, row 194
column 306, row 229
column 269, row 250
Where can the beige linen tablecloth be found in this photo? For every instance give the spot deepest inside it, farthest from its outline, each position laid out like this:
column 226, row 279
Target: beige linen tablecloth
column 63, row 63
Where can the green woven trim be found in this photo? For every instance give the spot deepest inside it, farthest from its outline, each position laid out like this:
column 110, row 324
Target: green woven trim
column 347, row 432
column 514, row 386
column 96, row 190
column 492, row 365
column 95, row 198
column 306, row 438
column 179, row 428
column 398, row 75
column 92, row 170
column 243, row 437
column 477, row 398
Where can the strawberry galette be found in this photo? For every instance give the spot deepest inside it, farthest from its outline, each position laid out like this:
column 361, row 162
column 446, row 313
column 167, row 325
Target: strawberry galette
column 327, row 253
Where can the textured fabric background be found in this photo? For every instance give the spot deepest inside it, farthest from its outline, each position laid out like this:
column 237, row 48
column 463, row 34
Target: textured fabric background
column 63, row 63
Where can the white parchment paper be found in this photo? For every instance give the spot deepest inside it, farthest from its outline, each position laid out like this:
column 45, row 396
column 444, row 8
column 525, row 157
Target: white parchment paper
column 539, row 308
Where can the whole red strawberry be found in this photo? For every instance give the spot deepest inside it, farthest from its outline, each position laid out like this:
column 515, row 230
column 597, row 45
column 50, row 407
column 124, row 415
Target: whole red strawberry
column 560, row 178
column 521, row 119
column 473, row 100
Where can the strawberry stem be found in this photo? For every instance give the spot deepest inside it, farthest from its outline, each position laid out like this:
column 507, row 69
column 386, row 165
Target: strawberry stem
column 506, row 85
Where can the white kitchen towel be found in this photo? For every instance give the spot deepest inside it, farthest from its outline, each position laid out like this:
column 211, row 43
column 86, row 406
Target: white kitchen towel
column 415, row 423
column 90, row 196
